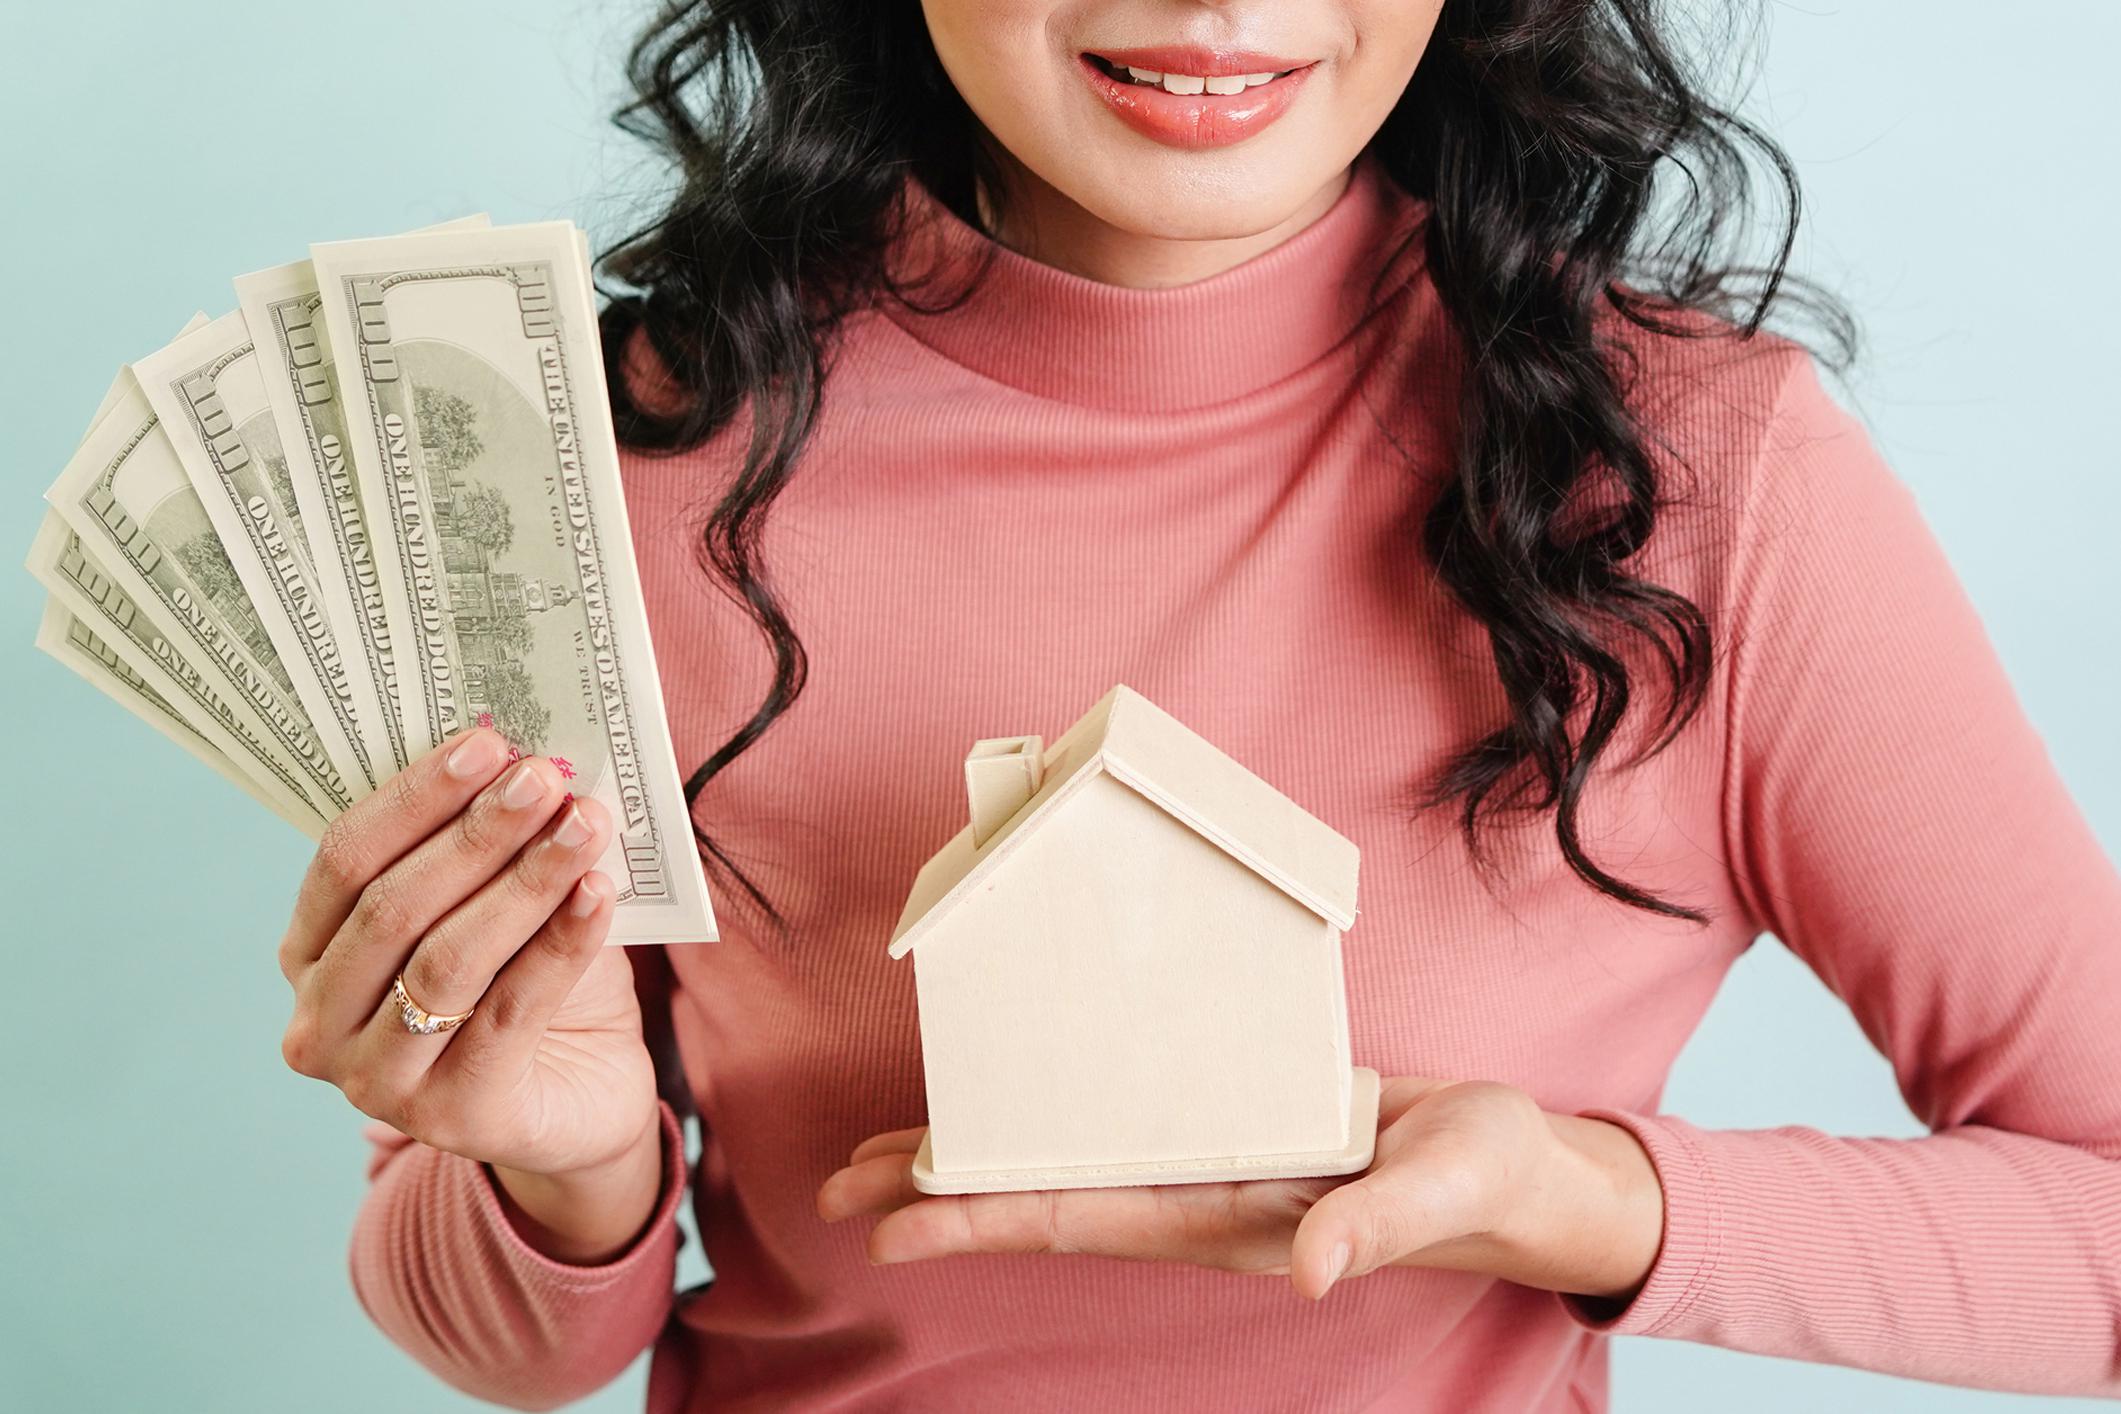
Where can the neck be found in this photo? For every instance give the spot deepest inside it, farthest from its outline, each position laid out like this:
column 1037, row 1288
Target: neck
column 1040, row 221
column 1112, row 319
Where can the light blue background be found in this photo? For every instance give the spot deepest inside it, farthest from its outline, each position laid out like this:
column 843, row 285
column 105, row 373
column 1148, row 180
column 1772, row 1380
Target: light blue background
column 176, row 1202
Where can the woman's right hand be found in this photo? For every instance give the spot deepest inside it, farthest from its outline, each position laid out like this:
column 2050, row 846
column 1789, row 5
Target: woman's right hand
column 472, row 876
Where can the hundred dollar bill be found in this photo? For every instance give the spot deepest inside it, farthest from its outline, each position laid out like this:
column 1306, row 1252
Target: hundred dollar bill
column 280, row 309
column 82, row 590
column 125, row 495
column 75, row 645
column 480, row 433
column 208, row 391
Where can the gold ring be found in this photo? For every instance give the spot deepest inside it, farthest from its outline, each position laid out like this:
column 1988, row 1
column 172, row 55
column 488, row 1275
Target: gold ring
column 418, row 1019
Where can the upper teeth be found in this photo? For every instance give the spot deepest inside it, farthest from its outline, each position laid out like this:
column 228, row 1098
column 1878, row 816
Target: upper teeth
column 1196, row 83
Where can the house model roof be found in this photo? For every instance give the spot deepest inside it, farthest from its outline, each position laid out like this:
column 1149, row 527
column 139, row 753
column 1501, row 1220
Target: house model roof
column 1131, row 739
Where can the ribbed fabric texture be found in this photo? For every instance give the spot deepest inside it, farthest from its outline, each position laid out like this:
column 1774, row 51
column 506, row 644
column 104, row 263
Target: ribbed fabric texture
column 1214, row 493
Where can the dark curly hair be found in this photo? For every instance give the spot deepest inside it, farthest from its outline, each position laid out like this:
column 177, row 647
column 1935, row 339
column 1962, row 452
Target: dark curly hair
column 1544, row 134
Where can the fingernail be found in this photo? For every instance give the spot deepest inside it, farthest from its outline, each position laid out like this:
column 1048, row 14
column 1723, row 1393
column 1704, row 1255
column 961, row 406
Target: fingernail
column 523, row 788
column 474, row 756
column 587, row 896
column 1336, row 1263
column 573, row 832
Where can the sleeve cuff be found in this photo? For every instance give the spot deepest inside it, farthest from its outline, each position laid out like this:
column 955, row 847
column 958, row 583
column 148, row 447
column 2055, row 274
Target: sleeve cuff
column 1693, row 1232
column 555, row 1272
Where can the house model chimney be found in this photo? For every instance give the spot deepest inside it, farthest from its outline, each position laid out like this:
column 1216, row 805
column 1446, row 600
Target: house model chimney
column 1001, row 774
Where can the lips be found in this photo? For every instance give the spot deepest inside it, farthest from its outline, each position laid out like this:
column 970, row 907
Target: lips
column 1199, row 59
column 1194, row 120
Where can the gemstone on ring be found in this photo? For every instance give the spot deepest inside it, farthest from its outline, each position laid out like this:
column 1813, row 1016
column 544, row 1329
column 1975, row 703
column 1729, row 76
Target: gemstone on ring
column 418, row 1019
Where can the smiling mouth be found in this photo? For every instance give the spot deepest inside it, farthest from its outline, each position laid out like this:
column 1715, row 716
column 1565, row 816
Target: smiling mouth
column 1183, row 84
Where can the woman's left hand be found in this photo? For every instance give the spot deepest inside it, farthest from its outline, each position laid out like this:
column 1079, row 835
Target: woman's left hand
column 1471, row 1176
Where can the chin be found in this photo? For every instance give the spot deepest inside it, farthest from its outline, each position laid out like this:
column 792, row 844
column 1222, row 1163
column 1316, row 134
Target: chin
column 1221, row 196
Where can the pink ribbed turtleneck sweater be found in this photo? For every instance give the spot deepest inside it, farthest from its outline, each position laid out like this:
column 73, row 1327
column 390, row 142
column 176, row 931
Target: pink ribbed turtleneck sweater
column 1212, row 492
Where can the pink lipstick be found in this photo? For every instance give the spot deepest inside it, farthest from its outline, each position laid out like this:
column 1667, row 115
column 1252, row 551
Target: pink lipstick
column 1168, row 92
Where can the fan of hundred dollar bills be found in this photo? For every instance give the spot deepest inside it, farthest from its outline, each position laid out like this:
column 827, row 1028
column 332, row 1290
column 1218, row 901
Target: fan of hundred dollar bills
column 309, row 570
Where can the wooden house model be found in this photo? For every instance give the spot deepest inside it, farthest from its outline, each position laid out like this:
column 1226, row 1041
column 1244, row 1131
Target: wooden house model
column 1128, row 969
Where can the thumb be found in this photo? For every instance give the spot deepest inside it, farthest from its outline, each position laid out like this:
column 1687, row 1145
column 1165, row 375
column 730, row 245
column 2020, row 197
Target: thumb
column 1385, row 1215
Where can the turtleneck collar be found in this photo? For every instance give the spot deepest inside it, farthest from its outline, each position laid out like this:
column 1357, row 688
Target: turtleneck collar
column 1061, row 335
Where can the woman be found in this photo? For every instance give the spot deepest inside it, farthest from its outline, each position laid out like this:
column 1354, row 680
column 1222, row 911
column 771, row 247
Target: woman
column 1326, row 372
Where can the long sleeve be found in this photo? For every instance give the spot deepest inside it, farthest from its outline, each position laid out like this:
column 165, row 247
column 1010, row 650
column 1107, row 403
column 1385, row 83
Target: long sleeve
column 443, row 1273
column 1893, row 817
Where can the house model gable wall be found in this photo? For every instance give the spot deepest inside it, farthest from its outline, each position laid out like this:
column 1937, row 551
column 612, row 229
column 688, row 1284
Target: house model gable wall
column 1121, row 987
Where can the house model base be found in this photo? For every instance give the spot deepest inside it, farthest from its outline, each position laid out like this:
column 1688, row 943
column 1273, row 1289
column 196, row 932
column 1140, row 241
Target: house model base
column 1354, row 1158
